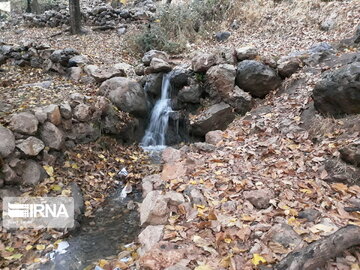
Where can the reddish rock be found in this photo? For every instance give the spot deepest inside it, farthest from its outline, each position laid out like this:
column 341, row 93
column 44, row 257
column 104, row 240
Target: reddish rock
column 150, row 236
column 171, row 155
column 214, row 137
column 173, row 170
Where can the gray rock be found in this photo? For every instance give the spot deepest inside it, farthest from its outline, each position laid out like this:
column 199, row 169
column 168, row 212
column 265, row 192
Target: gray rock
column 126, row 94
column 240, row 100
column 284, row 235
column 65, row 110
column 351, row 154
column 33, row 173
column 103, row 74
column 153, row 84
column 148, row 56
column 24, row 123
column 83, row 112
column 78, row 61
column 127, row 69
column 31, row 146
column 222, row 36
column 84, row 132
column 338, row 92
column 158, row 65
column 204, row 147
column 246, row 53
column 52, row 136
column 256, row 78
column 75, row 73
column 7, row 142
column 217, row 117
column 79, row 205
column 288, row 65
column 203, row 61
column 221, row 80
column 179, row 77
column 309, row 214
column 190, row 94
column 357, row 35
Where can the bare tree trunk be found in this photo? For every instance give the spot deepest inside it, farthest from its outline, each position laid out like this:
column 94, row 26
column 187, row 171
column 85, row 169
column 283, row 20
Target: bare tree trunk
column 28, row 6
column 318, row 253
column 35, row 6
column 75, row 17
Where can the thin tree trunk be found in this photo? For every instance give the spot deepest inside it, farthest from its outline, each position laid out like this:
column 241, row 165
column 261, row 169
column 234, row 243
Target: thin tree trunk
column 35, row 6
column 75, row 17
column 28, row 6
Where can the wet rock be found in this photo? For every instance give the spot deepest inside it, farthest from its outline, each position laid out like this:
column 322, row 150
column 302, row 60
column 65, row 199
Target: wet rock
column 222, row 36
column 52, row 136
column 158, row 65
column 33, row 173
column 179, row 77
column 240, row 100
column 7, row 142
column 171, row 155
column 190, row 94
column 53, row 114
column 150, row 236
column 153, row 84
column 338, row 92
column 83, row 112
column 284, row 235
column 259, row 198
column 351, row 154
column 148, row 56
column 126, row 94
column 154, row 209
column 174, row 170
column 246, row 53
column 309, row 214
column 79, row 205
column 217, row 117
column 214, row 137
column 256, row 78
column 103, row 74
column 288, row 65
column 24, row 123
column 221, row 80
column 203, row 61
column 32, row 146
column 150, row 183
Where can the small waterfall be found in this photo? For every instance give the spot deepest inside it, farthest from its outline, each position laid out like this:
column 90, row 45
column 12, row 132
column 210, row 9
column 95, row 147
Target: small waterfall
column 159, row 120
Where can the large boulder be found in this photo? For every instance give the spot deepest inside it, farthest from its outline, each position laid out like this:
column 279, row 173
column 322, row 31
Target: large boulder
column 221, row 80
column 203, row 61
column 7, row 142
column 338, row 92
column 103, row 74
column 217, row 117
column 256, row 78
column 158, row 65
column 126, row 94
column 52, row 136
column 153, row 84
column 190, row 94
column 24, row 123
column 179, row 77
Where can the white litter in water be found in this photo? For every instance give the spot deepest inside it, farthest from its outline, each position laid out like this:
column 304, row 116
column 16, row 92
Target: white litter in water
column 125, row 260
column 61, row 249
column 98, row 268
column 126, row 190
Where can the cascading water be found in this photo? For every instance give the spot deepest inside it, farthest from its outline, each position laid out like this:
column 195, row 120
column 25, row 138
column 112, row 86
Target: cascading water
column 155, row 133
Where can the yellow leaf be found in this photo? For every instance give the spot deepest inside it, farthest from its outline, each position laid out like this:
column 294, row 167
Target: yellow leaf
column 227, row 240
column 305, row 190
column 28, row 247
column 123, row 2
column 111, row 174
column 257, row 259
column 40, row 247
column 101, row 156
column 49, row 170
column 203, row 267
column 66, row 192
column 56, row 187
column 102, row 263
column 247, row 218
column 74, row 166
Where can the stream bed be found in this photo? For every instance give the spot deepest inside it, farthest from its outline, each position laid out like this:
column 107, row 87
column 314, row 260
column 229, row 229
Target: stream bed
column 113, row 226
